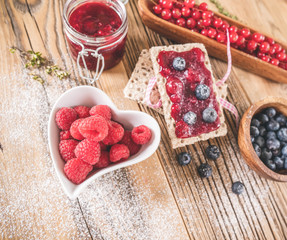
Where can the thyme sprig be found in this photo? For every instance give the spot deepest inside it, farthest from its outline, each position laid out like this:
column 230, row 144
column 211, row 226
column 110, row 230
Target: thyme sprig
column 35, row 61
column 222, row 10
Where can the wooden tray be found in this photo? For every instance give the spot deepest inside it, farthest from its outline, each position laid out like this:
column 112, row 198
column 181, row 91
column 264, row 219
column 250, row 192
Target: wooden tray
column 215, row 49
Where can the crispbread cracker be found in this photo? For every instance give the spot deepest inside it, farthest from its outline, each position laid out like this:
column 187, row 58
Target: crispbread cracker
column 137, row 85
column 166, row 103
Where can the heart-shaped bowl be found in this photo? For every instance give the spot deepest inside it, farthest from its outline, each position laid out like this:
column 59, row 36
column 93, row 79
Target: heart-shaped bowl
column 90, row 96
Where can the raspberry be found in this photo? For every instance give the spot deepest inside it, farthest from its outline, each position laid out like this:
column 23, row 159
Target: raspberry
column 82, row 111
column 128, row 141
column 88, row 151
column 116, row 133
column 94, row 128
column 66, row 148
column 119, row 152
column 141, row 134
column 103, row 146
column 75, row 129
column 104, row 160
column 77, row 170
column 102, row 110
column 64, row 135
column 65, row 117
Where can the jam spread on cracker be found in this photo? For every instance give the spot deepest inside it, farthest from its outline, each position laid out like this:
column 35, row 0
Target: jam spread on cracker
column 189, row 86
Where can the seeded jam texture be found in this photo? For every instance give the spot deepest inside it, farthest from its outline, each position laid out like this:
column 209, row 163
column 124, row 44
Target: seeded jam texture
column 95, row 19
column 180, row 87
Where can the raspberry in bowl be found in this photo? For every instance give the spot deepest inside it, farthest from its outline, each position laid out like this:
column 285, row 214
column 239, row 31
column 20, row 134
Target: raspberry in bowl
column 106, row 140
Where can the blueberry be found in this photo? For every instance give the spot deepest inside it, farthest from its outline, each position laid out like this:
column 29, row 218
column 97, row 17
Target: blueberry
column 202, row 92
column 257, row 149
column 183, row 158
column 204, row 170
column 262, row 131
column 271, row 134
column 255, row 122
column 238, row 187
column 276, row 153
column 284, row 151
column 271, row 165
column 272, row 143
column 260, row 141
column 254, row 131
column 266, row 154
column 212, row 152
column 178, row 63
column 281, row 119
column 282, row 134
column 190, row 118
column 263, row 118
column 285, row 162
column 252, row 139
column 272, row 125
column 270, row 112
column 278, row 162
column 209, row 115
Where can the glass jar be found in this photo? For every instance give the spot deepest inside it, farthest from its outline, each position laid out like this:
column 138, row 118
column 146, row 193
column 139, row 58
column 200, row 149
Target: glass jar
column 100, row 52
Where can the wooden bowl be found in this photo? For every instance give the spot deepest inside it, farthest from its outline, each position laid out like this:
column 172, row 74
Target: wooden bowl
column 244, row 139
column 215, row 49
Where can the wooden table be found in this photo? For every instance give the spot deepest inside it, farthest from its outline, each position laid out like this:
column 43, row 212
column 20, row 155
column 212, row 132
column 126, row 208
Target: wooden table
column 155, row 199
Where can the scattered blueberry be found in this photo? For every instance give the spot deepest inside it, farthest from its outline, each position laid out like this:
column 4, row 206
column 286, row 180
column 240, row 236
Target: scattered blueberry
column 209, row 115
column 284, row 151
column 278, row 162
column 238, row 187
column 272, row 144
column 257, row 149
column 183, row 158
column 263, row 118
column 285, row 162
column 204, row 170
column 212, row 152
column 271, row 134
column 281, row 119
column 202, row 92
column 270, row 112
column 255, row 122
column 190, row 118
column 178, row 63
column 260, row 141
column 262, row 131
column 282, row 134
column 254, row 131
column 271, row 165
column 266, row 154
column 272, row 125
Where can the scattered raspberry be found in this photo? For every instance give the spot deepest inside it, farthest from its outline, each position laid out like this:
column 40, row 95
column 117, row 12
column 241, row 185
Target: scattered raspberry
column 116, row 133
column 88, row 151
column 82, row 111
column 141, row 134
column 64, row 135
column 103, row 146
column 102, row 110
column 119, row 152
column 94, row 128
column 77, row 170
column 65, row 117
column 75, row 129
column 66, row 148
column 104, row 160
column 128, row 141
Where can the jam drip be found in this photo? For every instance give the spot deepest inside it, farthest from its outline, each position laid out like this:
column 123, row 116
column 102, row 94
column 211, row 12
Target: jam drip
column 184, row 72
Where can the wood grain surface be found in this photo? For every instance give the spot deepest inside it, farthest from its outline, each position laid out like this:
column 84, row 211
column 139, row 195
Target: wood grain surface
column 155, row 199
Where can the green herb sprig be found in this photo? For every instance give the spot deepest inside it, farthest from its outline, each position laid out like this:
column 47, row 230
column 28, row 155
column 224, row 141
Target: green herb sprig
column 222, row 10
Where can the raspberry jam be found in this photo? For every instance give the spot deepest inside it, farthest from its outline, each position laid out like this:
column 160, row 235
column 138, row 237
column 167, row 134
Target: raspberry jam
column 96, row 25
column 181, row 85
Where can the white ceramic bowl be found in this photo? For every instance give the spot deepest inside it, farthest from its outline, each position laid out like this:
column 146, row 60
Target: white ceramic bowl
column 90, row 96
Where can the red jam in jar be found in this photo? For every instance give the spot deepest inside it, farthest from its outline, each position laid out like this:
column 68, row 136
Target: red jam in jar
column 96, row 25
column 190, row 89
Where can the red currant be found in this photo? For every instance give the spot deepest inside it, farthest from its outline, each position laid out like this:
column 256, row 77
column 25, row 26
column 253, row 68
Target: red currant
column 167, row 4
column 204, row 32
column 195, row 30
column 265, row 58
column 240, row 41
column 176, row 13
column 274, row 61
column 270, row 40
column 233, row 37
column 217, row 23
column 189, row 3
column 258, row 37
column 206, row 22
column 245, row 32
column 172, row 20
column 203, row 6
column 206, row 14
column 185, row 11
column 212, row 33
column 233, row 29
column 179, row 5
column 251, row 45
column 283, row 65
column 224, row 25
column 221, row 37
column 272, row 50
column 196, row 15
column 180, row 22
column 166, row 14
column 157, row 9
column 277, row 48
column 200, row 24
column 264, row 47
column 190, row 23
column 281, row 56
